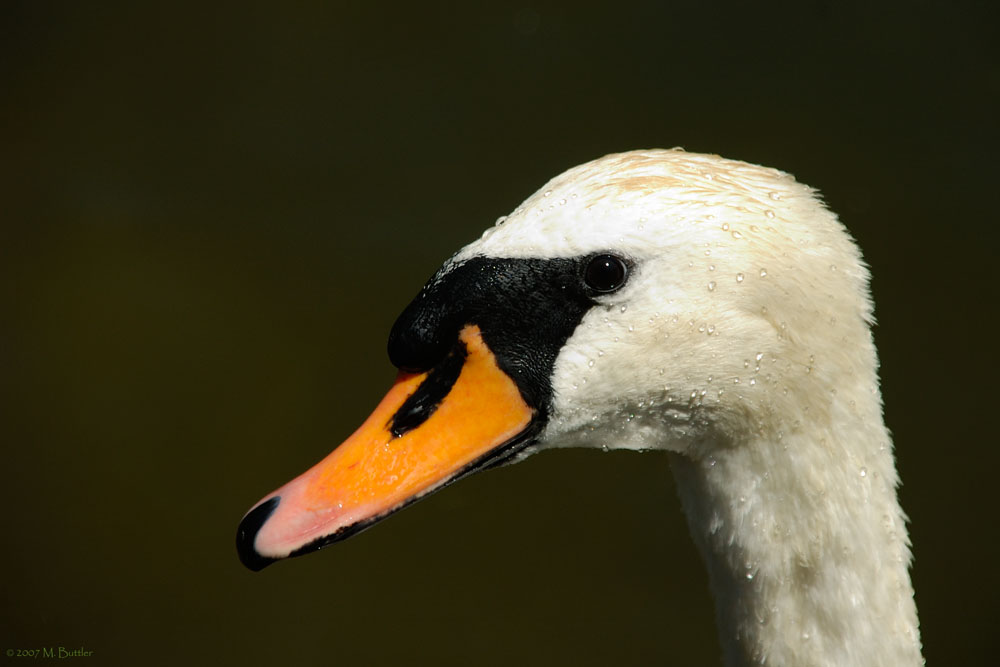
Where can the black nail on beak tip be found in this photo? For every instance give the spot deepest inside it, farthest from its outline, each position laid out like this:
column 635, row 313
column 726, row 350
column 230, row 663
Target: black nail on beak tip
column 246, row 534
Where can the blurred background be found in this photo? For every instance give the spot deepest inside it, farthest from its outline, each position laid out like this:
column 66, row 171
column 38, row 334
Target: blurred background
column 211, row 214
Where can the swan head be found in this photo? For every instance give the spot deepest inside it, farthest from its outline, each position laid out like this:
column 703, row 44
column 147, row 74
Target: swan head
column 745, row 298
column 651, row 299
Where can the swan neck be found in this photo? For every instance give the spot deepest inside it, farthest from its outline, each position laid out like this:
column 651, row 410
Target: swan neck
column 806, row 547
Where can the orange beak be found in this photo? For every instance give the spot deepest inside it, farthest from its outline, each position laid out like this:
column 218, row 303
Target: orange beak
column 423, row 435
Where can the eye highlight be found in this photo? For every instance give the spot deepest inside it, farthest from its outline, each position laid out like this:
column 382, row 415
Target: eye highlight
column 605, row 273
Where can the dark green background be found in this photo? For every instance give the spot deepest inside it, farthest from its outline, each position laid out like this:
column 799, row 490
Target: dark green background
column 210, row 216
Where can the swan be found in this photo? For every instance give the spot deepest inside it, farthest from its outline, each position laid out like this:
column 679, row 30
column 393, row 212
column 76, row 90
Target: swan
column 667, row 300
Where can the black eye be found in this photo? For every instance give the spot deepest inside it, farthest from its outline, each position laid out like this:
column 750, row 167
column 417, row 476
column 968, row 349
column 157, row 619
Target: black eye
column 605, row 273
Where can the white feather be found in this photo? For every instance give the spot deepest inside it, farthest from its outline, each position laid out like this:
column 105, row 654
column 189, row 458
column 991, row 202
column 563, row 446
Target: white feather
column 741, row 345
